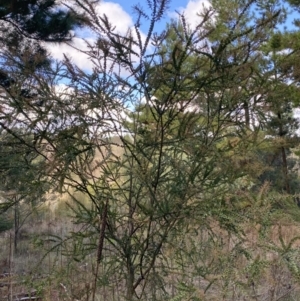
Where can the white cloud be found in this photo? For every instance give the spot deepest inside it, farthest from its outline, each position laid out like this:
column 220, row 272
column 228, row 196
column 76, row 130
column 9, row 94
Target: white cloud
column 79, row 58
column 116, row 16
column 192, row 11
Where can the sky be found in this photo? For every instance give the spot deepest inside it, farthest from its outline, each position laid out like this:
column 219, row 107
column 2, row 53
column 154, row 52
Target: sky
column 121, row 14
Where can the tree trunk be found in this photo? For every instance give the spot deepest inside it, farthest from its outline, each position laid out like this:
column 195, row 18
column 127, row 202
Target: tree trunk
column 284, row 159
column 285, row 171
column 130, row 284
column 16, row 226
column 247, row 114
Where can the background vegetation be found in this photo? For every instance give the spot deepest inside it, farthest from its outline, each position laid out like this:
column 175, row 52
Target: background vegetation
column 167, row 172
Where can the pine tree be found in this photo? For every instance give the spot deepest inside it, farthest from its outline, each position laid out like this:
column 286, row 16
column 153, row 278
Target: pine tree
column 42, row 20
column 281, row 65
column 164, row 171
column 21, row 185
column 153, row 147
column 23, row 26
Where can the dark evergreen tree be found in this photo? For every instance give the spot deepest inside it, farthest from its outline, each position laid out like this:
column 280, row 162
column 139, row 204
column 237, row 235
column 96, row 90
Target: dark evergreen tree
column 24, row 24
column 20, row 185
column 37, row 19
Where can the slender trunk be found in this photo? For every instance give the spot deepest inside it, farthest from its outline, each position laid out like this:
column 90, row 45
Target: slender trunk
column 130, row 282
column 102, row 225
column 285, row 171
column 247, row 114
column 284, row 158
column 9, row 292
column 17, row 226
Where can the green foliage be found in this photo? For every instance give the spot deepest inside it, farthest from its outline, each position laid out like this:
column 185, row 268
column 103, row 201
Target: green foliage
column 175, row 173
column 46, row 21
column 19, row 166
column 5, row 223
